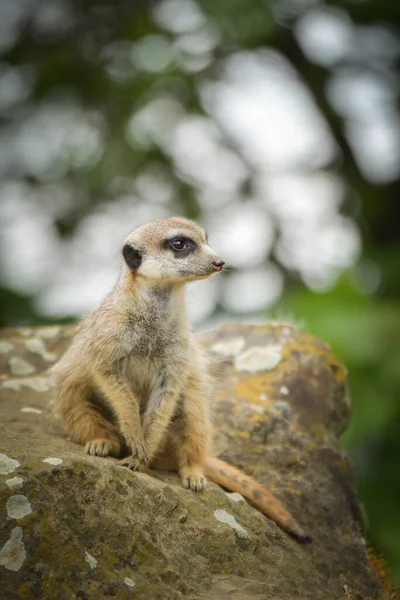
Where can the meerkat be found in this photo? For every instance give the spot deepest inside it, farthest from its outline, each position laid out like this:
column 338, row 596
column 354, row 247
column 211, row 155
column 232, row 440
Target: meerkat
column 136, row 378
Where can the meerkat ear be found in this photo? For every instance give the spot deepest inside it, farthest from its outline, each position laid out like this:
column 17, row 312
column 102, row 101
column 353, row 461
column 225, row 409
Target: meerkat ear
column 132, row 257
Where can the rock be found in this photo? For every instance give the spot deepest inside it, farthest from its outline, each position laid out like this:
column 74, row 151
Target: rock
column 75, row 526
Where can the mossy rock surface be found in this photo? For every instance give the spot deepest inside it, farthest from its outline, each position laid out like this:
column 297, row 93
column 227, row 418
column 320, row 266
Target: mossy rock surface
column 84, row 527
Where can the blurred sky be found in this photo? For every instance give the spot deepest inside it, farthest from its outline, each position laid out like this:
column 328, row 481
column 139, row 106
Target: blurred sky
column 258, row 100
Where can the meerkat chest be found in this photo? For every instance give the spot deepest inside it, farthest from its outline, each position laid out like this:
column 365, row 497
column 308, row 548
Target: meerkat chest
column 157, row 353
column 156, row 342
column 154, row 338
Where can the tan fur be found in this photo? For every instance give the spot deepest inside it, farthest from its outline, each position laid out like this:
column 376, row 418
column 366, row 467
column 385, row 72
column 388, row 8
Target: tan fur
column 135, row 378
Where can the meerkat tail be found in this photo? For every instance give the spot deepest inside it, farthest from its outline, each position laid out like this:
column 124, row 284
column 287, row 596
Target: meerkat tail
column 229, row 477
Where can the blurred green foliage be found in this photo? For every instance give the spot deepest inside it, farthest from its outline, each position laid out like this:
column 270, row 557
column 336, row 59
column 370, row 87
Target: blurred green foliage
column 76, row 57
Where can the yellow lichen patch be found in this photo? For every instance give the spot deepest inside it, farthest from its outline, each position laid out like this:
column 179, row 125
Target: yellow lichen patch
column 344, row 465
column 341, row 372
column 255, row 389
column 380, row 567
column 310, row 348
column 319, row 433
column 260, row 418
column 240, row 434
column 293, row 460
column 25, row 591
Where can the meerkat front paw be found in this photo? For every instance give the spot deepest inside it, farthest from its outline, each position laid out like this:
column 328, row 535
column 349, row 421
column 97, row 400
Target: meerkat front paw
column 193, row 478
column 102, row 447
column 138, row 460
column 132, row 462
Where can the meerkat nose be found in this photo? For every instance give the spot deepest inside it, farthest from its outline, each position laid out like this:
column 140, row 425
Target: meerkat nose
column 218, row 264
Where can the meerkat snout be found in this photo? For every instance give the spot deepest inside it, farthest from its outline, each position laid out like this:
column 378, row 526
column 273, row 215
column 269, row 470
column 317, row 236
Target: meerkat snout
column 218, row 264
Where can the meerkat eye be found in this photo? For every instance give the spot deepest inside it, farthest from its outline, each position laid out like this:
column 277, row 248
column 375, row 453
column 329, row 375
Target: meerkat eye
column 179, row 244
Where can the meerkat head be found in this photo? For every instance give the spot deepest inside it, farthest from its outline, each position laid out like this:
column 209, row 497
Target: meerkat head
column 170, row 251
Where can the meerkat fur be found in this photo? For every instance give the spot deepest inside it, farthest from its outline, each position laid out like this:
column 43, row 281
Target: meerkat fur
column 135, row 381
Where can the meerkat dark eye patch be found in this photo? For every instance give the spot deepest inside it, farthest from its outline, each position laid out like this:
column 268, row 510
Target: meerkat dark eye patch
column 133, row 257
column 181, row 245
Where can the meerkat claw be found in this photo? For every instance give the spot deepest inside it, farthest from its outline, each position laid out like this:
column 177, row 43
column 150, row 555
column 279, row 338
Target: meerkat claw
column 195, row 484
column 138, row 460
column 133, row 463
column 138, row 452
column 103, row 448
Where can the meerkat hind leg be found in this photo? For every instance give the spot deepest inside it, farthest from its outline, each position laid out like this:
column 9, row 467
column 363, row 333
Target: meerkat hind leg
column 175, row 457
column 86, row 423
column 105, row 438
column 167, row 459
column 191, row 436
